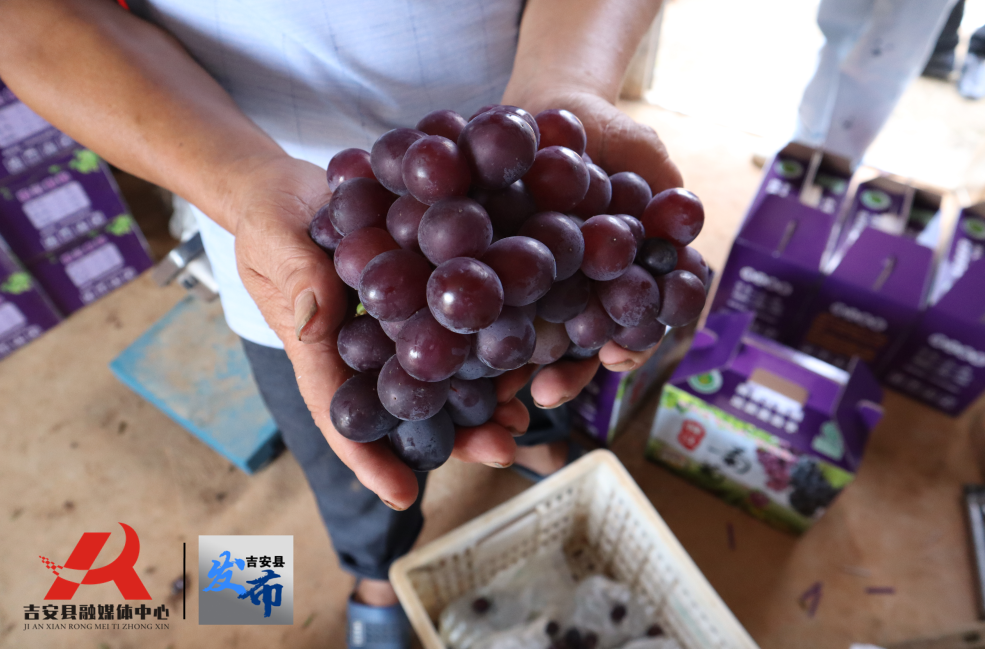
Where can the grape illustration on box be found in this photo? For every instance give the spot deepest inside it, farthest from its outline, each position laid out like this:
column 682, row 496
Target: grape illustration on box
column 478, row 246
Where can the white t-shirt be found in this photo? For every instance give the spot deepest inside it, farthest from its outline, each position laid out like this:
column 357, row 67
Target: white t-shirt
column 321, row 76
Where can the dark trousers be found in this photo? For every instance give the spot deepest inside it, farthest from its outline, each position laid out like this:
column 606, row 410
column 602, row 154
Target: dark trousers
column 368, row 536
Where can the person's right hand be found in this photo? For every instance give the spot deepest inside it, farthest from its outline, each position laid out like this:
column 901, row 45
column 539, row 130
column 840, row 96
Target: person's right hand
column 295, row 285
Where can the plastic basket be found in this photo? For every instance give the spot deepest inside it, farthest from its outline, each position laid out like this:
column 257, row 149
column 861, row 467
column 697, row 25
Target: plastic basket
column 594, row 511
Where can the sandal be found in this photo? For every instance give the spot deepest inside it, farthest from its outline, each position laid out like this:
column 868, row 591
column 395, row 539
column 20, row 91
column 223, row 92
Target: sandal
column 575, row 451
column 374, row 627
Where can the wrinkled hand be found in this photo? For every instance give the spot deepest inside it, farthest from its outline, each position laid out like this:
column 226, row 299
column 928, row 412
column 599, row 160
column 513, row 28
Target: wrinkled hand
column 303, row 300
column 616, row 143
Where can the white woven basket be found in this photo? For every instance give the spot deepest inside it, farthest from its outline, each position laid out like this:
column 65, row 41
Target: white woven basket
column 594, row 511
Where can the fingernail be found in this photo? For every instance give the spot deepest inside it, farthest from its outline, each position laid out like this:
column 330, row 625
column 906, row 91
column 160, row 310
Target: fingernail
column 550, row 407
column 514, row 431
column 305, row 308
column 496, row 465
column 392, row 506
column 624, row 366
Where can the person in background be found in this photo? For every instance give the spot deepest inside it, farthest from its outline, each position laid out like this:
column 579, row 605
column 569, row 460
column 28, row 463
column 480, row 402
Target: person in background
column 238, row 107
column 872, row 50
column 971, row 82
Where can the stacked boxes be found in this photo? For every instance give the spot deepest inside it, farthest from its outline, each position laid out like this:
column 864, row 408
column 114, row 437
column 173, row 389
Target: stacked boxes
column 773, row 269
column 25, row 312
column 769, row 429
column 71, row 228
column 62, row 216
column 942, row 361
column 877, row 276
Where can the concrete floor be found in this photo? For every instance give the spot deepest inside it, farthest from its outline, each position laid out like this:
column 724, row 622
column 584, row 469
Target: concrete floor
column 80, row 452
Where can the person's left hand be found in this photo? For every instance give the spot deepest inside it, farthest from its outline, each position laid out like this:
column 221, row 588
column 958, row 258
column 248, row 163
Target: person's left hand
column 616, row 143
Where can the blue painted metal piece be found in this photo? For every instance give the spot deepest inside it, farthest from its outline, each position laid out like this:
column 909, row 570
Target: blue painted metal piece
column 192, row 368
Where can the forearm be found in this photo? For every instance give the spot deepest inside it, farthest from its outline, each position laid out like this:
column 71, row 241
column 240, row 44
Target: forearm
column 130, row 92
column 578, row 45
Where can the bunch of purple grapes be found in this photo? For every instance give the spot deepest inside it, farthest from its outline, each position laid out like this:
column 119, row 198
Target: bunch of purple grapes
column 479, row 246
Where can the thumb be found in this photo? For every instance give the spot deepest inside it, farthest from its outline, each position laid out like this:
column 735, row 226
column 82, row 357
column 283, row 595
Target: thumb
column 626, row 145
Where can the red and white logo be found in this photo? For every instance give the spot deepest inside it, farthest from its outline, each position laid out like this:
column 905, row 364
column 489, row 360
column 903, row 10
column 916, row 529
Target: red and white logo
column 120, row 571
column 691, row 434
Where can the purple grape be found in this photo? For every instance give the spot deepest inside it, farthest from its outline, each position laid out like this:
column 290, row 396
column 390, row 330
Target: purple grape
column 392, row 328
column 641, row 338
column 387, row 157
column 598, row 196
column 691, row 260
column 359, row 203
column 403, row 220
column 474, row 368
column 560, row 127
column 500, row 147
column 507, row 343
column 591, row 328
column 363, row 344
column 405, row 397
column 446, row 123
column 581, row 353
column 630, row 194
column 464, row 295
column 609, row 247
column 484, row 109
column 347, row 164
column 322, row 231
column 658, row 256
column 527, row 117
column 558, row 179
column 632, row 299
column 424, row 445
column 358, row 249
column 508, row 208
column 683, row 298
column 454, row 227
column 394, row 285
column 674, row 214
column 529, row 310
column 471, row 403
column 428, row 351
column 563, row 238
column 525, row 267
column 566, row 299
column 356, row 410
column 635, row 226
column 552, row 342
column 434, row 169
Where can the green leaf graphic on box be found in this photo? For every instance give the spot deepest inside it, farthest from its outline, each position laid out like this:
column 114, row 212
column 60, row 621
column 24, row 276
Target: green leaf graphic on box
column 974, row 228
column 833, row 184
column 121, row 225
column 84, row 161
column 53, row 169
column 708, row 383
column 7, row 195
column 829, row 441
column 17, row 283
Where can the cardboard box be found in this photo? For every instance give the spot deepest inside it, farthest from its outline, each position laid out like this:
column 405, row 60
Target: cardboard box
column 942, row 360
column 606, row 404
column 769, row 429
column 89, row 269
column 25, row 312
column 774, row 267
column 877, row 276
column 50, row 207
column 26, row 139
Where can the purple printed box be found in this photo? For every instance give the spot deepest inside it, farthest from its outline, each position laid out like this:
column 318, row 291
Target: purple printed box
column 89, row 269
column 26, row 139
column 25, row 312
column 942, row 361
column 877, row 277
column 769, row 429
column 47, row 208
column 774, row 266
column 606, row 404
